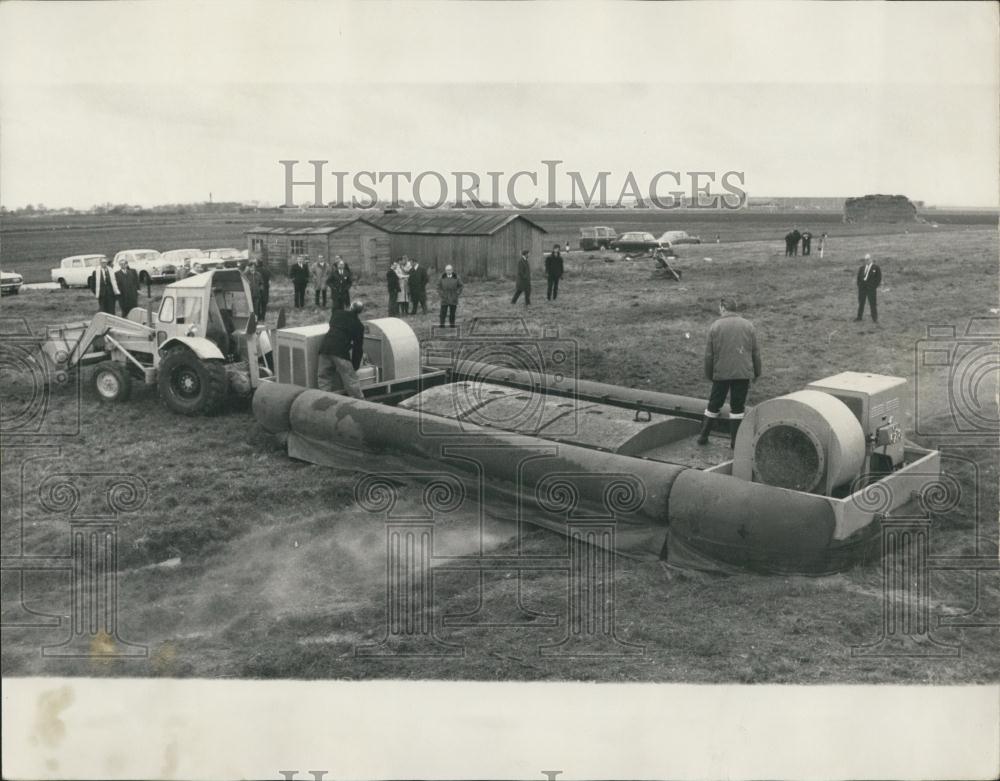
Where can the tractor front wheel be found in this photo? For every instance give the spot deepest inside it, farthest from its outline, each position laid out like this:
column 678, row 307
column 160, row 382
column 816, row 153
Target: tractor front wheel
column 190, row 386
column 112, row 382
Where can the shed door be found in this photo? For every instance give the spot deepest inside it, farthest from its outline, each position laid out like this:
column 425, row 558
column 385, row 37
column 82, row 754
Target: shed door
column 369, row 252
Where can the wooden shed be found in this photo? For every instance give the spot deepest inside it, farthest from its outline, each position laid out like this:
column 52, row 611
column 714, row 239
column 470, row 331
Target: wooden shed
column 477, row 244
column 365, row 246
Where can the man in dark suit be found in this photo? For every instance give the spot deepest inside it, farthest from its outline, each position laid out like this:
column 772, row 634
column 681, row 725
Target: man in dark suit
column 105, row 287
column 299, row 274
column 339, row 281
column 553, row 273
column 418, row 288
column 869, row 278
column 807, row 238
column 796, row 238
column 523, row 284
column 128, row 288
column 341, row 351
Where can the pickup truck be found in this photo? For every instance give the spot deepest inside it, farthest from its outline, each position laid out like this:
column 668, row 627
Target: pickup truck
column 148, row 264
column 75, row 270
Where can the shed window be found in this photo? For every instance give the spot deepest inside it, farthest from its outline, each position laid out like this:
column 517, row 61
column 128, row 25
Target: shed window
column 257, row 244
column 298, row 246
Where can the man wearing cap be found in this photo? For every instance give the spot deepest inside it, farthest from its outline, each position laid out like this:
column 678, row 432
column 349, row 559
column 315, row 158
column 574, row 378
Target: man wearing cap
column 732, row 358
column 869, row 278
column 341, row 350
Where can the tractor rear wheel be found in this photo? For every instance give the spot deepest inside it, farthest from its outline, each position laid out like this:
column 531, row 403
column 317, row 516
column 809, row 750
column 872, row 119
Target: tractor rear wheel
column 189, row 385
column 112, row 382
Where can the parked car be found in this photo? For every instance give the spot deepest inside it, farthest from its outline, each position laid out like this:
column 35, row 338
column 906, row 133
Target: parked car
column 597, row 238
column 679, row 237
column 635, row 241
column 10, row 282
column 75, row 270
column 148, row 264
column 206, row 260
column 179, row 258
column 230, row 255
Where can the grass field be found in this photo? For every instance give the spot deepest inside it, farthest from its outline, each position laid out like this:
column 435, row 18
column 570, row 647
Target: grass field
column 280, row 574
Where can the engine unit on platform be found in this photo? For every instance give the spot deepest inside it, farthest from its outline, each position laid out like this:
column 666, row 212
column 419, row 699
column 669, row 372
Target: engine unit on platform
column 807, row 441
column 391, row 352
column 879, row 402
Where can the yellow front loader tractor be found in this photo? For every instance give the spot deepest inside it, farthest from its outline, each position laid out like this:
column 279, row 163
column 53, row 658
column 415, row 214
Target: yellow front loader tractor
column 202, row 345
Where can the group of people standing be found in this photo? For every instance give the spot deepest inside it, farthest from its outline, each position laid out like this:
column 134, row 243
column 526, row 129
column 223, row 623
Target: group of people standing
column 794, row 238
column 112, row 287
column 554, row 270
column 406, row 281
column 337, row 280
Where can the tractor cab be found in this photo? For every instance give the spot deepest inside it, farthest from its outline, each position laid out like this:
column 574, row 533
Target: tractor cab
column 214, row 305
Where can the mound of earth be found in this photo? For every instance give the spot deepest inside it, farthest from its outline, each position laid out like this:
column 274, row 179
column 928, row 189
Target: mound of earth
column 880, row 208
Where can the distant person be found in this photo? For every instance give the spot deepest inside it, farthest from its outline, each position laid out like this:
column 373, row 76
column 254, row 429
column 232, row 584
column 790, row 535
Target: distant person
column 788, row 244
column 807, row 238
column 869, row 278
column 265, row 288
column 260, row 287
column 318, row 272
column 553, row 273
column 449, row 290
column 403, row 272
column 341, row 350
column 822, row 245
column 128, row 288
column 523, row 283
column 732, row 358
column 567, row 246
column 392, row 285
column 299, row 274
column 418, row 288
column 105, row 287
column 339, row 280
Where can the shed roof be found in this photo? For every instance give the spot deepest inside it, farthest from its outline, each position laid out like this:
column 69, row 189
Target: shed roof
column 309, row 227
column 426, row 223
column 449, row 223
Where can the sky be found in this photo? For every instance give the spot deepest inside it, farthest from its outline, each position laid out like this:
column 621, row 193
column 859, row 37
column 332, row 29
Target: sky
column 161, row 103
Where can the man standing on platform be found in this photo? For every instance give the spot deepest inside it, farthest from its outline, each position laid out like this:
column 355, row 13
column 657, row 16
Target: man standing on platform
column 341, row 350
column 732, row 358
